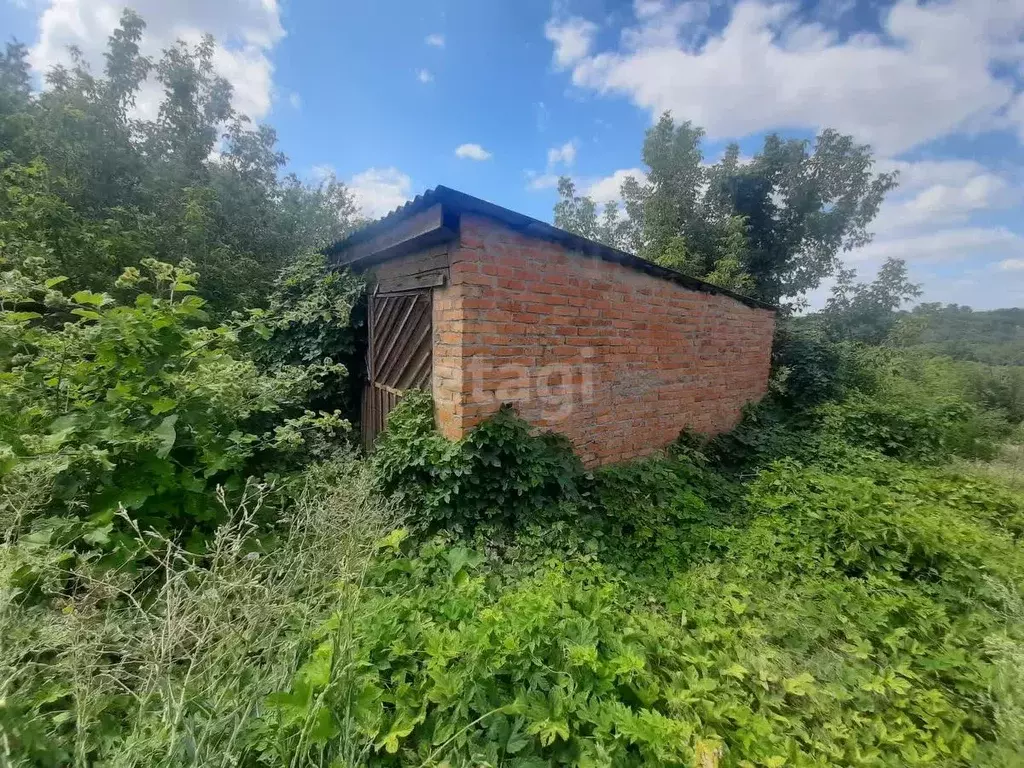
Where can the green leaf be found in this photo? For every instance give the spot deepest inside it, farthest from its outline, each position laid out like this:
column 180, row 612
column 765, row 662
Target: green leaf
column 393, row 540
column 549, row 730
column 166, row 436
column 98, row 536
column 20, row 317
column 516, row 741
column 459, row 558
column 162, row 405
column 54, row 281
column 736, row 670
column 398, row 732
column 323, row 728
column 801, row 685
column 88, row 297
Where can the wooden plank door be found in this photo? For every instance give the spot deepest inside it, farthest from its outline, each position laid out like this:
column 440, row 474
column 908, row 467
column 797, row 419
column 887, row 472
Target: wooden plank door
column 399, row 357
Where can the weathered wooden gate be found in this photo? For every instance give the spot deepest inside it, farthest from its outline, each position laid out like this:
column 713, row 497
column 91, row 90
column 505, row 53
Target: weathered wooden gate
column 398, row 356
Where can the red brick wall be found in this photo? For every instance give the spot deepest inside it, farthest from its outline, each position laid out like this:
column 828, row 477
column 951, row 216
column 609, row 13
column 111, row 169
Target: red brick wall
column 617, row 360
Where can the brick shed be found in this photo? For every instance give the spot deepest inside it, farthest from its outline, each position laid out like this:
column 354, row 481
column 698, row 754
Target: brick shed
column 486, row 306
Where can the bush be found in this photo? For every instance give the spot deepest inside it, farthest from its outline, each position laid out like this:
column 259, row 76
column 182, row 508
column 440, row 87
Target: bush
column 849, row 616
column 808, row 362
column 316, row 315
column 140, row 405
column 895, row 522
column 998, row 388
column 499, row 472
column 912, row 431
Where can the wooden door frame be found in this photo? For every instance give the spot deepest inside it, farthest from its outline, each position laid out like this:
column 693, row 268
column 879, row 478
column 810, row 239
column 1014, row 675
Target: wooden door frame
column 380, row 398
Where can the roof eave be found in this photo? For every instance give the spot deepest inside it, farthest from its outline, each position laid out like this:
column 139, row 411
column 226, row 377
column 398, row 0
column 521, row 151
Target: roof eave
column 443, row 225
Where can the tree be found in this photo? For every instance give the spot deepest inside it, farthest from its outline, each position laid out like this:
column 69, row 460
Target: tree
column 579, row 214
column 779, row 221
column 574, row 213
column 867, row 312
column 15, row 88
column 92, row 187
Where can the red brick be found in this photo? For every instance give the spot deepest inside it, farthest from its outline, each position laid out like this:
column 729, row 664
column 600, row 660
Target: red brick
column 637, row 358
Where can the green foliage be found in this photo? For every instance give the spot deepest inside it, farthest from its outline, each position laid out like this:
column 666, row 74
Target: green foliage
column 846, row 620
column 995, row 337
column 718, row 604
column 809, row 367
column 1000, row 388
column 171, row 665
column 579, row 214
column 809, row 363
column 921, row 432
column 93, row 190
column 143, row 404
column 773, row 226
column 655, row 514
column 810, row 589
column 312, row 318
column 499, row 472
column 866, row 312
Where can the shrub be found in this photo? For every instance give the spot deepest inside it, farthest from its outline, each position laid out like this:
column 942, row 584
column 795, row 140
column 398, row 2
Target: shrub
column 912, row 431
column 499, row 472
column 538, row 672
column 315, row 316
column 141, row 405
column 897, row 522
column 850, row 616
column 808, row 362
column 999, row 388
column 652, row 515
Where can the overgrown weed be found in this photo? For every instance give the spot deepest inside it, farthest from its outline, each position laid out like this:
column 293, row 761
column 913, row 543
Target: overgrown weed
column 172, row 666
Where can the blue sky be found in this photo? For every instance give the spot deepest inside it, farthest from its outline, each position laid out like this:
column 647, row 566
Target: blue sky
column 385, row 93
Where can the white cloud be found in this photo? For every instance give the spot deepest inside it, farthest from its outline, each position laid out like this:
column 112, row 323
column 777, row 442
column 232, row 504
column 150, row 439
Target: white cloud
column 937, row 193
column 980, row 267
column 424, row 76
column 920, row 174
column 472, row 152
column 538, row 181
column 437, row 41
column 246, row 31
column 606, row 190
column 571, row 37
column 321, row 173
column 930, row 74
column 644, row 9
column 563, row 155
column 945, row 246
column 378, row 191
column 295, row 100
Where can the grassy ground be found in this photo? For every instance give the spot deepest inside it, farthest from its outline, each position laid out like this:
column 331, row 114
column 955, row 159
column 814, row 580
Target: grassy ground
column 868, row 614
column 1007, row 467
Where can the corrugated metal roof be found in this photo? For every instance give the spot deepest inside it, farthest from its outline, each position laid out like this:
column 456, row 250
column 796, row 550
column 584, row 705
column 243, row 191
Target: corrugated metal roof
column 459, row 202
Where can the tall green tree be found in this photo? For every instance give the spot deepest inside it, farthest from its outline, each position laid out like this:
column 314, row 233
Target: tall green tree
column 774, row 225
column 91, row 186
column 868, row 312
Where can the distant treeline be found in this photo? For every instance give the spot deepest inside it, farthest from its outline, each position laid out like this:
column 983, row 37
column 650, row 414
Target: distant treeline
column 995, row 337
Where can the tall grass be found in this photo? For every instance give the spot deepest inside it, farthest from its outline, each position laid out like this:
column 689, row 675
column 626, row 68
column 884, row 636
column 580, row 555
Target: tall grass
column 172, row 666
